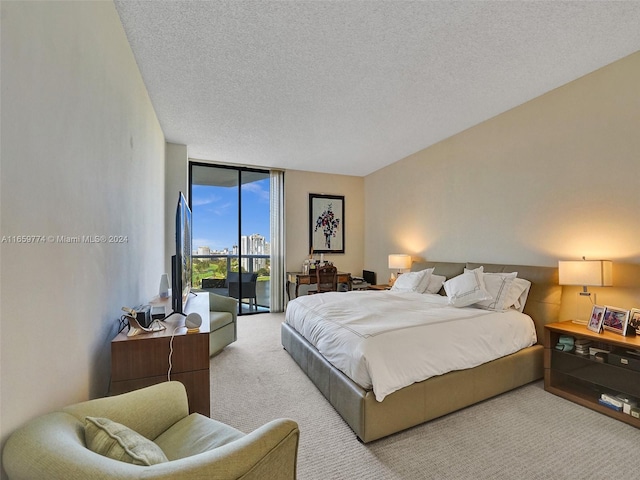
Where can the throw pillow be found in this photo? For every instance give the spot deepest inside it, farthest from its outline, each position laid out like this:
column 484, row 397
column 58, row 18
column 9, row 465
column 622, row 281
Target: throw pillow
column 413, row 281
column 118, row 442
column 435, row 283
column 519, row 293
column 466, row 289
column 505, row 289
column 498, row 285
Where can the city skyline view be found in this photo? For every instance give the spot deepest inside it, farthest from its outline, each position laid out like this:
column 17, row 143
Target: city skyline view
column 215, row 215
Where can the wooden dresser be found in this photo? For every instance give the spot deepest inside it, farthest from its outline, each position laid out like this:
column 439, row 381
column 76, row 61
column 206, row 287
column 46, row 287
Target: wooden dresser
column 143, row 360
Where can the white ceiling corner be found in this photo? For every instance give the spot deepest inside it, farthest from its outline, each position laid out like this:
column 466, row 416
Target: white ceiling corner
column 349, row 87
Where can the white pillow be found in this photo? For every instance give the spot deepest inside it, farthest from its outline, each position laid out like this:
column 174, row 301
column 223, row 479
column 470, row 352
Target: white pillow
column 466, row 289
column 435, row 283
column 504, row 298
column 412, row 281
column 499, row 286
column 519, row 293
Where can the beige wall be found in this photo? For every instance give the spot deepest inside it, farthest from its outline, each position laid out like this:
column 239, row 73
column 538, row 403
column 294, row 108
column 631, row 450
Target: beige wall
column 298, row 186
column 82, row 154
column 551, row 179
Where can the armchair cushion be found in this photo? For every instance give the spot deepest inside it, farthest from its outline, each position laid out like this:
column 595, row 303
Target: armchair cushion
column 222, row 322
column 114, row 440
column 218, row 320
column 195, row 434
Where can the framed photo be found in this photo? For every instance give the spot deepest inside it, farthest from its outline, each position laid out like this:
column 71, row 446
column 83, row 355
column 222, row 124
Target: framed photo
column 597, row 316
column 615, row 320
column 326, row 223
column 634, row 320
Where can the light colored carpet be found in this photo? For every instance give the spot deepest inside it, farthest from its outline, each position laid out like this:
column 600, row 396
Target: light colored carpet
column 523, row 434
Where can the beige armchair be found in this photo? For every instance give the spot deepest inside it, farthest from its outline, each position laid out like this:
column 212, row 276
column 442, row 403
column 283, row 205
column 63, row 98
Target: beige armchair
column 54, row 446
column 223, row 313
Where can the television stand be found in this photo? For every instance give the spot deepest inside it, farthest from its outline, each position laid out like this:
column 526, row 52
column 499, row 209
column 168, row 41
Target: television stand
column 143, row 359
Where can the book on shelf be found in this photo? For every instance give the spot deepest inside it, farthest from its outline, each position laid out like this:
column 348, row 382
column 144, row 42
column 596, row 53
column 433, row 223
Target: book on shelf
column 609, row 405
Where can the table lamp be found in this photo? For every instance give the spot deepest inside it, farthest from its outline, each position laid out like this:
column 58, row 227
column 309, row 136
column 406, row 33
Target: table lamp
column 585, row 273
column 398, row 261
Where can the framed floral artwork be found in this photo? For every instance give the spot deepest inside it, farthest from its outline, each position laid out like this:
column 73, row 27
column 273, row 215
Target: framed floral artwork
column 326, row 223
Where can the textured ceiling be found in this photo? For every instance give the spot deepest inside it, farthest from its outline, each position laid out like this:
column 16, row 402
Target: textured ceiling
column 351, row 86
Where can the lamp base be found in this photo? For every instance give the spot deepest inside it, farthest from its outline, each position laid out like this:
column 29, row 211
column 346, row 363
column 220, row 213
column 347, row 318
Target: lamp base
column 584, row 305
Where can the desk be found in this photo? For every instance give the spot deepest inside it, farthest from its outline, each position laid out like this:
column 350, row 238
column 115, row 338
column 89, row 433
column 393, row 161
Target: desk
column 143, row 359
column 299, row 278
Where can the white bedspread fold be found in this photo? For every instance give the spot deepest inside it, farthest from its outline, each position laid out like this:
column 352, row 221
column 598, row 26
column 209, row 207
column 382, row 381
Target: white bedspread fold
column 389, row 340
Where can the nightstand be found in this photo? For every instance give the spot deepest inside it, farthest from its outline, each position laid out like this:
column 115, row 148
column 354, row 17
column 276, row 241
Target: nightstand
column 379, row 287
column 582, row 378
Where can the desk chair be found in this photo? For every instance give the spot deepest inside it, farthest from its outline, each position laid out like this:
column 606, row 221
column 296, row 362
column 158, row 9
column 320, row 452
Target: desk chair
column 326, row 279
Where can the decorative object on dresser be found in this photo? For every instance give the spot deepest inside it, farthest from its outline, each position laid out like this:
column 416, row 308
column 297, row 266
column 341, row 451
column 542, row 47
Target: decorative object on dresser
column 326, row 223
column 634, row 320
column 597, row 316
column 163, row 290
column 615, row 320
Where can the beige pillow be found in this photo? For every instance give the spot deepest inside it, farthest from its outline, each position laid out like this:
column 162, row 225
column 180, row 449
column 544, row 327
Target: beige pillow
column 435, row 283
column 118, row 442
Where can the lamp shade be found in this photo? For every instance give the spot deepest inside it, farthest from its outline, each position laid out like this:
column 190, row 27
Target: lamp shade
column 595, row 273
column 399, row 261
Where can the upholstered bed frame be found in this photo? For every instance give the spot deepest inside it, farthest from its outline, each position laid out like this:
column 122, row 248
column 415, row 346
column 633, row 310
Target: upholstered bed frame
column 436, row 396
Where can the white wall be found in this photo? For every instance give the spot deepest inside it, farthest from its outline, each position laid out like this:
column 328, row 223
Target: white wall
column 82, row 154
column 551, row 179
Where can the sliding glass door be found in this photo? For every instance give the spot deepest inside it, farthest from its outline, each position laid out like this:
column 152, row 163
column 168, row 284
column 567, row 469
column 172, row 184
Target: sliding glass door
column 231, row 233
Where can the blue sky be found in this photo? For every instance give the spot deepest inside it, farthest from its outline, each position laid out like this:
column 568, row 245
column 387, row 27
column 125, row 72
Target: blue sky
column 215, row 214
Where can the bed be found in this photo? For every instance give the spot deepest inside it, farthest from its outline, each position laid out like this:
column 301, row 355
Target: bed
column 420, row 401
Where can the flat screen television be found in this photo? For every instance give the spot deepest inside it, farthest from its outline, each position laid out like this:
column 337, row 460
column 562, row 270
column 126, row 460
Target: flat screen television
column 181, row 261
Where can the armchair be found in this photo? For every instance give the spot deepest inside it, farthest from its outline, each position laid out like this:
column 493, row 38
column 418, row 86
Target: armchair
column 223, row 314
column 248, row 286
column 230, row 286
column 53, row 446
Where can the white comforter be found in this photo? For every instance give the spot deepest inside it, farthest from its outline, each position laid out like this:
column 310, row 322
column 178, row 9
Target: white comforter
column 389, row 340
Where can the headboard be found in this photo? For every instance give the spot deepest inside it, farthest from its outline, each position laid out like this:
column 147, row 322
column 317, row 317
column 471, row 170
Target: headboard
column 545, row 295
